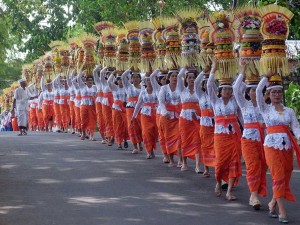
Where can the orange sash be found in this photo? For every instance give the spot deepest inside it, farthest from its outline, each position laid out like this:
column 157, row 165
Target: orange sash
column 260, row 127
column 192, row 105
column 207, row 112
column 100, row 94
column 133, row 99
column 65, row 98
column 120, row 104
column 229, row 119
column 173, row 108
column 153, row 107
column 285, row 129
column 48, row 102
column 56, row 97
column 78, row 97
column 110, row 97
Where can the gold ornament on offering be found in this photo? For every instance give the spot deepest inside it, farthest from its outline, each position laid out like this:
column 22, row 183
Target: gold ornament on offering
column 108, row 40
column 134, row 44
column 122, row 50
column 207, row 46
column 159, row 44
column 171, row 37
column 223, row 37
column 247, row 26
column 89, row 43
column 147, row 49
column 190, row 43
column 275, row 31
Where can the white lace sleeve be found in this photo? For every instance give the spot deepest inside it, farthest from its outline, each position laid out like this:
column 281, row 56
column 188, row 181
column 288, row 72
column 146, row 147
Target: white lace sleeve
column 138, row 105
column 238, row 88
column 55, row 82
column 211, row 88
column 180, row 81
column 125, row 79
column 68, row 79
column 40, row 100
column 295, row 124
column 75, row 84
column 262, row 105
column 111, row 84
column 156, row 87
column 80, row 81
column 43, row 87
column 161, row 101
column 198, row 88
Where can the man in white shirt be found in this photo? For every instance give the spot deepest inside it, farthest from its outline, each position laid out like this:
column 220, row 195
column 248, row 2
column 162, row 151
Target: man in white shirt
column 20, row 103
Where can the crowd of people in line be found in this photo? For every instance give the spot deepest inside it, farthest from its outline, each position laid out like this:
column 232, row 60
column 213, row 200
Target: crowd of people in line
column 187, row 112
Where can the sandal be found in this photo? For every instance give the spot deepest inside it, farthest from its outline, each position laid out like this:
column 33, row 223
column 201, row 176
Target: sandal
column 120, row 147
column 135, row 151
column 206, row 174
column 165, row 160
column 149, row 156
column 125, row 144
column 184, row 168
column 82, row 138
column 256, row 204
column 283, row 219
column 230, row 197
column 272, row 211
column 179, row 164
column 103, row 142
column 198, row 170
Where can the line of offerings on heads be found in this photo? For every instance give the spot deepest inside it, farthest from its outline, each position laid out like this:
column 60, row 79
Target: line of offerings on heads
column 247, row 27
column 275, row 30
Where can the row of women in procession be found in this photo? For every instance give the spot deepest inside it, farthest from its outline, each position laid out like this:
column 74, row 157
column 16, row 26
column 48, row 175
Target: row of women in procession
column 209, row 115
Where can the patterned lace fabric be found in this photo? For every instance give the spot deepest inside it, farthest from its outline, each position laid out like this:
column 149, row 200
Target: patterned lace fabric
column 167, row 96
column 145, row 98
column 272, row 117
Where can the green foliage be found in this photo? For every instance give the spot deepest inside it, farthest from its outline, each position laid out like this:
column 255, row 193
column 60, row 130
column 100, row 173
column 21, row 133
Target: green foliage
column 292, row 97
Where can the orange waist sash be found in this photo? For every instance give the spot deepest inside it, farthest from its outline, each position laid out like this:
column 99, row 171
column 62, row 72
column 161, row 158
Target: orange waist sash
column 100, row 94
column 173, row 108
column 229, row 119
column 207, row 112
column 133, row 99
column 48, row 102
column 120, row 104
column 285, row 129
column 192, row 105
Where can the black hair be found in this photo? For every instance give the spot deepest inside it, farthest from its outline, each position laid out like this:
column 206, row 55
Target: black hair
column 203, row 85
column 160, row 78
column 247, row 96
column 117, row 79
column 132, row 74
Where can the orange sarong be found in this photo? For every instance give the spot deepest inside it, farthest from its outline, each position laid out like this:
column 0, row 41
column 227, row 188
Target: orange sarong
column 57, row 115
column 77, row 118
column 65, row 114
column 207, row 145
column 14, row 123
column 40, row 119
column 33, row 118
column 48, row 111
column 190, row 138
column 72, row 114
column 280, row 163
column 170, row 128
column 228, row 157
column 120, row 125
column 107, row 117
column 100, row 120
column 88, row 118
column 162, row 140
column 149, row 132
column 134, row 129
column 256, row 166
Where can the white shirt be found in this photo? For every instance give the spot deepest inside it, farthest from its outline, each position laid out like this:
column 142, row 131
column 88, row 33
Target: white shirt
column 131, row 90
column 220, row 109
column 167, row 96
column 118, row 93
column 250, row 113
column 186, row 96
column 204, row 101
column 145, row 98
column 88, row 94
column 272, row 117
column 22, row 96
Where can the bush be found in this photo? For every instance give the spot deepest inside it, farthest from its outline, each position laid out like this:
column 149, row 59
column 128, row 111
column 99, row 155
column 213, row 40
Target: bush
column 292, row 97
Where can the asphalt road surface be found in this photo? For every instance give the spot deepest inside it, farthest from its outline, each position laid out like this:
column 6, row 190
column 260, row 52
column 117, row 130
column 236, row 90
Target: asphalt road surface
column 58, row 179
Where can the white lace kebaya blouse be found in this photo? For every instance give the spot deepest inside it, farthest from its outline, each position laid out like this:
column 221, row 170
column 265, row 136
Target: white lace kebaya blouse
column 77, row 100
column 88, row 94
column 145, row 98
column 167, row 96
column 156, row 88
column 119, row 94
column 250, row 113
column 99, row 88
column 220, row 109
column 272, row 117
column 185, row 97
column 204, row 101
column 106, row 90
column 131, row 90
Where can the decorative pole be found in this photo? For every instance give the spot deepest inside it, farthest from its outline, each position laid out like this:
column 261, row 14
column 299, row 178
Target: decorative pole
column 161, row 4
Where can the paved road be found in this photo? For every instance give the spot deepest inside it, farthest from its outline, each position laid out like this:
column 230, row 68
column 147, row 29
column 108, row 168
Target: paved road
column 57, row 179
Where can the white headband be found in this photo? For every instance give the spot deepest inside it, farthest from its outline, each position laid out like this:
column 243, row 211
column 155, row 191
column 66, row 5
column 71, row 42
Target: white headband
column 173, row 71
column 225, row 85
column 251, row 85
column 275, row 86
column 22, row 80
